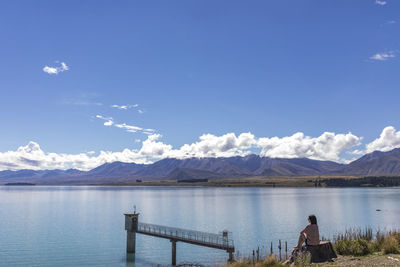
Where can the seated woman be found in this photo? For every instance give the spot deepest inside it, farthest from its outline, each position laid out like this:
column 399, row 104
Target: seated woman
column 310, row 234
column 320, row 251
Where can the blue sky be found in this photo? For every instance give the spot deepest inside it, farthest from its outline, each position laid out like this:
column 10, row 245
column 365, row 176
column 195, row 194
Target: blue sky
column 269, row 68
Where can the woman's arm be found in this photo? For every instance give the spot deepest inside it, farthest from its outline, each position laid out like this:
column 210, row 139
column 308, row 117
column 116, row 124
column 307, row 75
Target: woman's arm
column 304, row 230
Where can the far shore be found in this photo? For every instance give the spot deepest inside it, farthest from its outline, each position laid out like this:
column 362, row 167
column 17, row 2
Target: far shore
column 303, row 181
column 258, row 181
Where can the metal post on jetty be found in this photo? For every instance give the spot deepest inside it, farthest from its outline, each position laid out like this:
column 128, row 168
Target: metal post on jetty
column 226, row 243
column 131, row 226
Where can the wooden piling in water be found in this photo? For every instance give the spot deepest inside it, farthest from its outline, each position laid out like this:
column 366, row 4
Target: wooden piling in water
column 285, row 250
column 272, row 250
column 280, row 247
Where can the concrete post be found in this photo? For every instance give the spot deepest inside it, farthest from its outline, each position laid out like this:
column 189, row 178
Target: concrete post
column 131, row 224
column 173, row 252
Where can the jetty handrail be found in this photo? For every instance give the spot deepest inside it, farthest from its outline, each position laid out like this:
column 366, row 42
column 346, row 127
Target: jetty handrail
column 186, row 234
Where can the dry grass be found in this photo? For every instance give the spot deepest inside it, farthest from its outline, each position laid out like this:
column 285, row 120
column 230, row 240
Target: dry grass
column 270, row 261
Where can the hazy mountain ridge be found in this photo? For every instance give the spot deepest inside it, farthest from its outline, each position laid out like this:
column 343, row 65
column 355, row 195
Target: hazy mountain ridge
column 375, row 163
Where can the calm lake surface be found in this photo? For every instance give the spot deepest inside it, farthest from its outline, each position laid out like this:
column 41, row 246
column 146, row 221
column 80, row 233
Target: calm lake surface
column 71, row 225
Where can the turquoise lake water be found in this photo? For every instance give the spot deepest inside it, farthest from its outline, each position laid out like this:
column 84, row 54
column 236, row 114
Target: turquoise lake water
column 84, row 226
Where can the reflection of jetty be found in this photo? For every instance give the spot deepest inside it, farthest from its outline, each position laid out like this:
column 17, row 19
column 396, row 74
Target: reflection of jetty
column 132, row 226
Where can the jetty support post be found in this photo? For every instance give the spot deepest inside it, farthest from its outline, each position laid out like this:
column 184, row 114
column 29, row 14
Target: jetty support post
column 131, row 225
column 173, row 252
column 230, row 259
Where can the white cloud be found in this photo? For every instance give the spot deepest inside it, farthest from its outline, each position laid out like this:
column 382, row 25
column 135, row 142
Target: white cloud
column 32, row 156
column 125, row 107
column 109, row 120
column 391, row 22
column 154, row 149
column 356, row 152
column 388, row 140
column 383, row 56
column 380, row 2
column 328, row 146
column 55, row 70
column 227, row 145
column 108, row 123
column 140, row 111
column 128, row 128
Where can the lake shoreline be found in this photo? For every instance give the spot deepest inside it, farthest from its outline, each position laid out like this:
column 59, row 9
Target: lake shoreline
column 297, row 182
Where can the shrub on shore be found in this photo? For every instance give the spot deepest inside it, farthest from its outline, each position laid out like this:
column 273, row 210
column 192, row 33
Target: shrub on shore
column 361, row 243
column 390, row 245
column 358, row 247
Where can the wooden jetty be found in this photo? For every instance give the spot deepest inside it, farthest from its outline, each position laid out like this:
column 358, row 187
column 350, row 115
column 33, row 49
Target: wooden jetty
column 133, row 227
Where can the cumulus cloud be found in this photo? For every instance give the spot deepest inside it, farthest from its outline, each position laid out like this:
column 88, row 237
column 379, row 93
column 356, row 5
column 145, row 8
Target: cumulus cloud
column 388, row 140
column 56, row 70
column 328, row 146
column 33, row 157
column 383, row 56
column 380, row 2
column 209, row 145
column 226, row 145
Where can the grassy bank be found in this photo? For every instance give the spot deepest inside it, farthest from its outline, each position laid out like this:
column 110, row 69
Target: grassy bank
column 355, row 247
column 373, row 260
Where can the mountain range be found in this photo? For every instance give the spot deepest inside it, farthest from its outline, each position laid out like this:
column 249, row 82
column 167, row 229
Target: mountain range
column 375, row 163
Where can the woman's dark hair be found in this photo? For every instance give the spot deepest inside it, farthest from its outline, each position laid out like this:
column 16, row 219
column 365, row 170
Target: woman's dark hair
column 312, row 219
